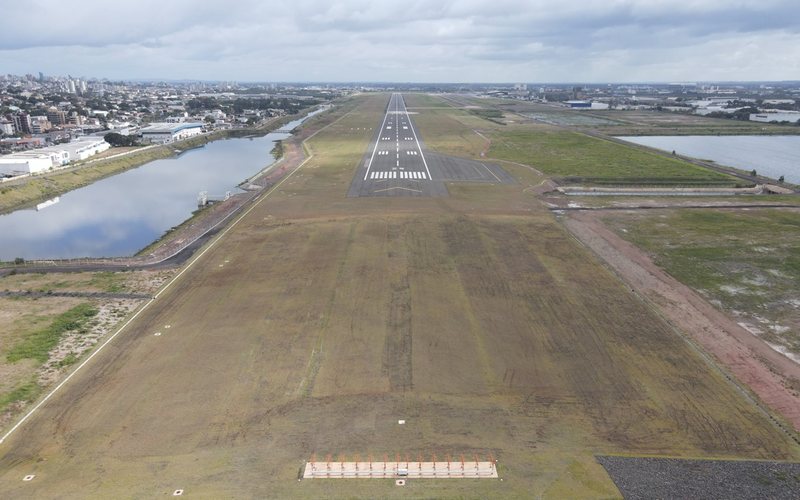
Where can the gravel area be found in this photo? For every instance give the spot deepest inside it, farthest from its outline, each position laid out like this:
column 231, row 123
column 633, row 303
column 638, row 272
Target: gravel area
column 665, row 478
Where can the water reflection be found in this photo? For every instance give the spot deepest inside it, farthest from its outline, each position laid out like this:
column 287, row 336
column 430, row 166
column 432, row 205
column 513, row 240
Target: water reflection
column 119, row 215
column 772, row 156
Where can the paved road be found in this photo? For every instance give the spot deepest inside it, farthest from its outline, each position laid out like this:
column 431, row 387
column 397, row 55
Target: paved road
column 66, row 293
column 397, row 163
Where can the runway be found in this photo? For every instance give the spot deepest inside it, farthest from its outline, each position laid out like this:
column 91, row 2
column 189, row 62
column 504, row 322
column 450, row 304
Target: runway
column 397, row 163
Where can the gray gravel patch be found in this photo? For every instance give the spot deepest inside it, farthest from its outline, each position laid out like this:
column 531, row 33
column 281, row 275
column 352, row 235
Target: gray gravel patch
column 667, row 478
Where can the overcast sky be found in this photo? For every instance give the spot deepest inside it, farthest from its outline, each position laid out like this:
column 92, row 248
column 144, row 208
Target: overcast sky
column 405, row 41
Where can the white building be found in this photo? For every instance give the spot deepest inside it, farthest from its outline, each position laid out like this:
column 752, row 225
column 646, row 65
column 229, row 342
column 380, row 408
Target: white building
column 164, row 133
column 41, row 160
column 784, row 116
column 83, row 148
column 6, row 127
column 29, row 162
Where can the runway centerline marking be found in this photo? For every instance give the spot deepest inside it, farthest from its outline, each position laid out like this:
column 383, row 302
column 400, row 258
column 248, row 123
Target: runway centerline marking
column 375, row 148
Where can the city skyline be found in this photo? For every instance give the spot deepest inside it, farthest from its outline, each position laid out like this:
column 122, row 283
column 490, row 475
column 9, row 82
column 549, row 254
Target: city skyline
column 505, row 41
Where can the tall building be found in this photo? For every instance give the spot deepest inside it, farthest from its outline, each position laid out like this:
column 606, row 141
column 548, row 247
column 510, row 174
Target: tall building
column 40, row 124
column 22, row 123
column 6, row 127
column 57, row 117
column 75, row 118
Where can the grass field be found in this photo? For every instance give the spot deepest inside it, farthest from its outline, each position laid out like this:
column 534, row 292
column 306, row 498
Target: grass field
column 571, row 155
column 748, row 262
column 319, row 321
column 33, row 351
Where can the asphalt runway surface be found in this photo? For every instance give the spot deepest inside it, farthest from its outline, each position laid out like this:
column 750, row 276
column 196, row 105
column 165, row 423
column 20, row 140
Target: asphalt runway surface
column 397, row 163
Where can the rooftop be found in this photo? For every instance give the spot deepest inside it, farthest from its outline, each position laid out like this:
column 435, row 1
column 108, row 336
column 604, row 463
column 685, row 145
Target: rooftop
column 164, row 128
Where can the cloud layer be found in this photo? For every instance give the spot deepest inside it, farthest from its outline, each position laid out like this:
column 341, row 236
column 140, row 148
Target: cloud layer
column 413, row 40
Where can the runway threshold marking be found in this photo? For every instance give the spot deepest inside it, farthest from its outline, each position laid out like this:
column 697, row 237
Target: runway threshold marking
column 170, row 283
column 376, row 146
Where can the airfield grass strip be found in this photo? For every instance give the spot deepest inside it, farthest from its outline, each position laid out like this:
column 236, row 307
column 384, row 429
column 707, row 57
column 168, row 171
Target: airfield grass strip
column 38, row 344
column 576, row 156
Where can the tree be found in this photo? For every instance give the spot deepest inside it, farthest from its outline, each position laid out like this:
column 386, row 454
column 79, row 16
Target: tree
column 780, row 180
column 753, row 173
column 117, row 140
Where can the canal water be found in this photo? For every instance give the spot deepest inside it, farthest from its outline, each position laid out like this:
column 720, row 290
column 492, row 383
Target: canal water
column 119, row 215
column 772, row 156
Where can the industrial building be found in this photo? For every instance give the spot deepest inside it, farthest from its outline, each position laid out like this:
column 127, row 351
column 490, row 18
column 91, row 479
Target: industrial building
column 29, row 162
column 164, row 133
column 578, row 104
column 83, row 148
column 785, row 116
column 41, row 160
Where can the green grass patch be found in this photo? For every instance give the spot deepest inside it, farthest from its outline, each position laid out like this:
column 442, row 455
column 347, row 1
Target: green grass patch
column 425, row 101
column 69, row 359
column 493, row 115
column 108, row 281
column 26, row 392
column 746, row 261
column 579, row 158
column 38, row 344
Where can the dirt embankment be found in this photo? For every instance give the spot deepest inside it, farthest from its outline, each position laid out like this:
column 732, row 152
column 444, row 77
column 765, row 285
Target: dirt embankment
column 774, row 378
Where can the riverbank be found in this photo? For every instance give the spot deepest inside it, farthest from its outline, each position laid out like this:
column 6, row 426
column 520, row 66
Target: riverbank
column 179, row 243
column 14, row 196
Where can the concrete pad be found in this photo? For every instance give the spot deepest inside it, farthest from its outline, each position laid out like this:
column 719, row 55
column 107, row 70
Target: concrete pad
column 391, row 470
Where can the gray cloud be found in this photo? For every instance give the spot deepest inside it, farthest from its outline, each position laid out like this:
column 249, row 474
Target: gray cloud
column 419, row 40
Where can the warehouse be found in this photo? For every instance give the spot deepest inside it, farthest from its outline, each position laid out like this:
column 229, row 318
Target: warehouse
column 164, row 133
column 30, row 162
column 43, row 159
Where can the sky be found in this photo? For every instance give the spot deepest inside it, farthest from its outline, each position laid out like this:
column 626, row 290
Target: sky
column 478, row 41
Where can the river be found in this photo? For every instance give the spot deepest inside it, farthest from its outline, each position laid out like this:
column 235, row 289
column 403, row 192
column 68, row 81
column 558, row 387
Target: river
column 119, row 215
column 770, row 155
